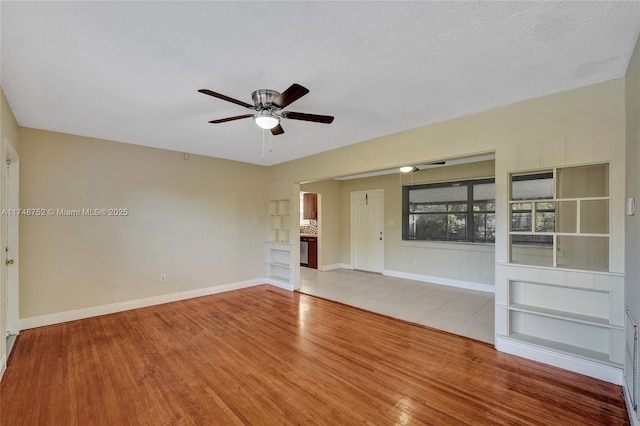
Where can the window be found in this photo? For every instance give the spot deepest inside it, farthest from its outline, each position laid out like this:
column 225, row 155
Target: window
column 535, row 189
column 451, row 211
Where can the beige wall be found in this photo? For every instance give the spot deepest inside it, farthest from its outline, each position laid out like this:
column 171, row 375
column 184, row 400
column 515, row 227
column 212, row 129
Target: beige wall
column 632, row 223
column 330, row 226
column 554, row 118
column 200, row 221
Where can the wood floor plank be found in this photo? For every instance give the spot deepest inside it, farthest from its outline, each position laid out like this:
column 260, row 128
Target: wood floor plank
column 265, row 356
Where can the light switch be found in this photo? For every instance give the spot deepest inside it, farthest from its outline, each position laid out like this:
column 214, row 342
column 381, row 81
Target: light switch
column 631, row 206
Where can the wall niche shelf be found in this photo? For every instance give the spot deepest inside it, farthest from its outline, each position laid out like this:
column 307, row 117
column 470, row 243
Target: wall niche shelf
column 279, row 221
column 560, row 218
column 579, row 319
column 279, row 263
column 601, row 357
column 553, row 313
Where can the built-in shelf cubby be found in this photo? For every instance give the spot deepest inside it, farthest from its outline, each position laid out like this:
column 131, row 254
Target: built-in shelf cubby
column 560, row 218
column 279, row 221
column 570, row 319
column 279, row 263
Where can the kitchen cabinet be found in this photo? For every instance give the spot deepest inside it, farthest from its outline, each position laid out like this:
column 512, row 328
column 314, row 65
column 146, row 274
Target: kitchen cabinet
column 309, row 252
column 310, row 206
column 313, row 252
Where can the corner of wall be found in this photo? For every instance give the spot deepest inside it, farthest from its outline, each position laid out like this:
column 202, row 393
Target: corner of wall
column 632, row 222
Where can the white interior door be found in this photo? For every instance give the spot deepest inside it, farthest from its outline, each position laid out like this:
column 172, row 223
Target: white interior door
column 11, row 243
column 367, row 225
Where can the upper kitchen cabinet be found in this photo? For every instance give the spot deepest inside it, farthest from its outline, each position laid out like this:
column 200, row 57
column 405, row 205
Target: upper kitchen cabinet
column 310, row 206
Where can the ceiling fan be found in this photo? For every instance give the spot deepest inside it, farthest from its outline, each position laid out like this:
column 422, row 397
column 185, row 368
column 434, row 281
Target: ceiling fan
column 267, row 104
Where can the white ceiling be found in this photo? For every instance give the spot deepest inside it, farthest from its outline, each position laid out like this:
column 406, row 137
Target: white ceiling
column 130, row 71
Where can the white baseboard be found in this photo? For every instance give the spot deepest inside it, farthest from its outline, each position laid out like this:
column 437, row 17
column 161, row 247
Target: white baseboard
column 332, row 267
column 60, row 317
column 598, row 370
column 3, row 366
column 278, row 283
column 469, row 285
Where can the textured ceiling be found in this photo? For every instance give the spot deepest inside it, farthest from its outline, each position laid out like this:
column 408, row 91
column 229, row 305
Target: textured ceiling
column 130, row 71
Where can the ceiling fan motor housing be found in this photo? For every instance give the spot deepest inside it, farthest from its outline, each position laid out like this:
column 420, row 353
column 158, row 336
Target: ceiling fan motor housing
column 263, row 99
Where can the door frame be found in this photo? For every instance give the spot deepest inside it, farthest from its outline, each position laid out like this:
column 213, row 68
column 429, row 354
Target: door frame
column 11, row 273
column 353, row 250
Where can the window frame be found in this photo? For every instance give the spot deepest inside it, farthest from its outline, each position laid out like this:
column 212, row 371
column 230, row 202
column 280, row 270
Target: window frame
column 540, row 239
column 470, row 213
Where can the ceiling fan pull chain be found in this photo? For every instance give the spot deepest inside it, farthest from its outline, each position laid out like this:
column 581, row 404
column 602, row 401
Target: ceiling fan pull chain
column 263, row 131
column 269, row 141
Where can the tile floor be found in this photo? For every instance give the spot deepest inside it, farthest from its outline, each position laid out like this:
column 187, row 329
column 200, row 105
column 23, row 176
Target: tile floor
column 468, row 313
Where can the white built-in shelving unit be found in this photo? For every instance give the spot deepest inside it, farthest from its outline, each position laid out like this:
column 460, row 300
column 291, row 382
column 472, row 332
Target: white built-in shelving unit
column 561, row 296
column 577, row 317
column 279, row 247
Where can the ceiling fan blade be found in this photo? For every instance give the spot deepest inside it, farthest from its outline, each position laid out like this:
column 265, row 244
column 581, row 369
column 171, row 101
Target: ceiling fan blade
column 326, row 119
column 226, row 98
column 278, row 130
column 237, row 117
column 292, row 94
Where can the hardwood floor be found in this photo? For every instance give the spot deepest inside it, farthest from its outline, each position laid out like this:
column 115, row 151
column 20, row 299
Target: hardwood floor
column 266, row 356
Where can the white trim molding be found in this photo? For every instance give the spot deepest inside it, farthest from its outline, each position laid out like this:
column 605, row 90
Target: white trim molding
column 608, row 373
column 334, row 266
column 3, row 366
column 469, row 285
column 279, row 283
column 634, row 416
column 60, row 317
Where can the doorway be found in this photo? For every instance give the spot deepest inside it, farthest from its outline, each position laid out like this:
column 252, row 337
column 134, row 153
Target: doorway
column 367, row 225
column 310, row 230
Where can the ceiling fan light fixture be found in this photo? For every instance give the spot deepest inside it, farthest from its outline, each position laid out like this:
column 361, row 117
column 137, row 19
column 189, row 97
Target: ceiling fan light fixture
column 407, row 169
column 266, row 121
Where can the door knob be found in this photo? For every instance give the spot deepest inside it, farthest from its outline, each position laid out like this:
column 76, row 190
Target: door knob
column 9, row 261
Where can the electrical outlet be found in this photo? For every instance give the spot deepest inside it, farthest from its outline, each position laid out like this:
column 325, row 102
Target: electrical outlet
column 163, row 277
column 416, row 262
